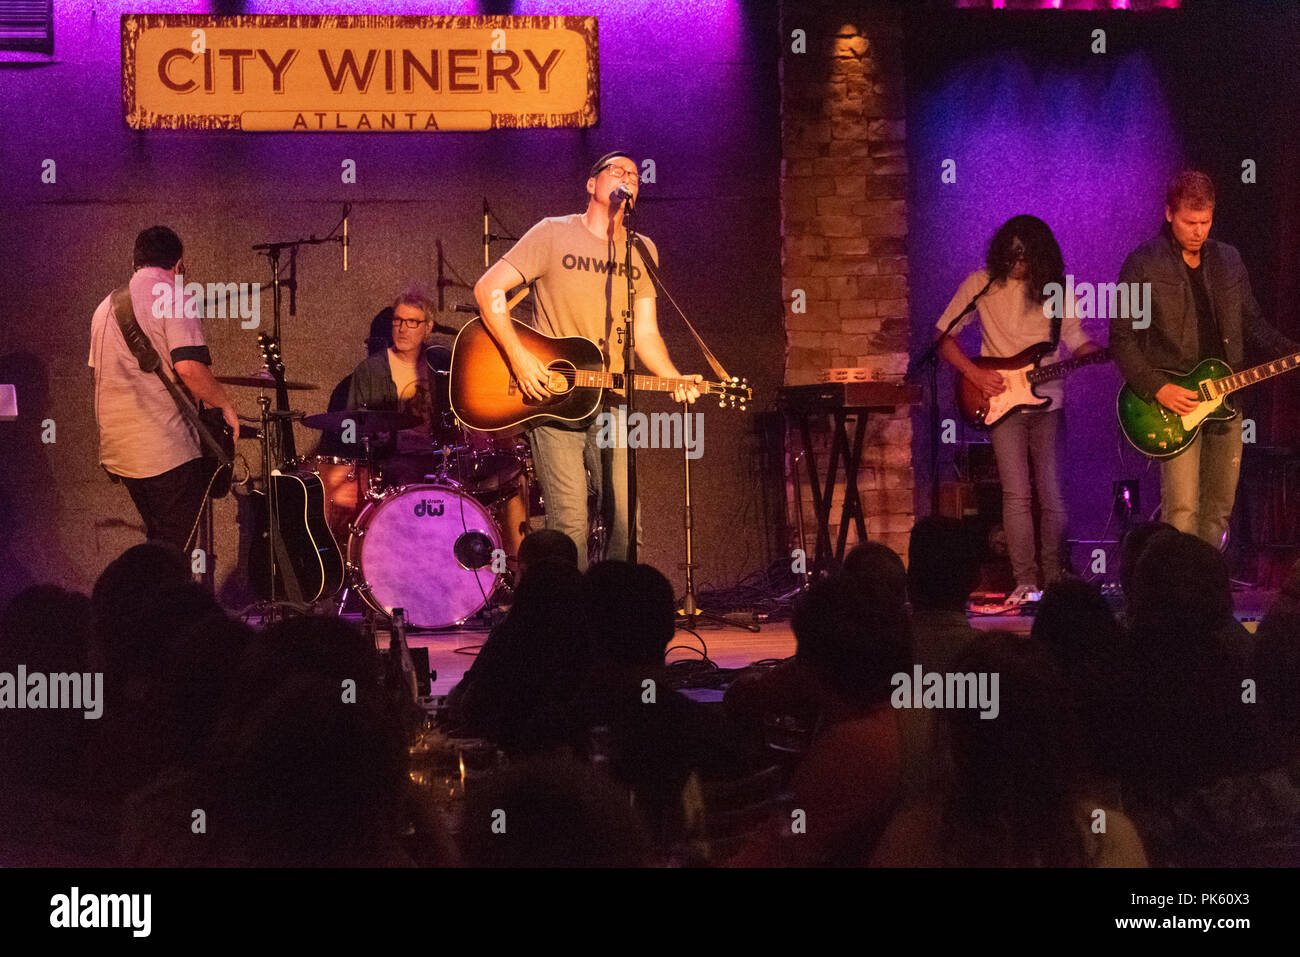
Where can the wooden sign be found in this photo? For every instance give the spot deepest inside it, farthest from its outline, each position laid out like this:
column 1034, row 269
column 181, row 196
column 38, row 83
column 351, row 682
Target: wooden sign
column 329, row 74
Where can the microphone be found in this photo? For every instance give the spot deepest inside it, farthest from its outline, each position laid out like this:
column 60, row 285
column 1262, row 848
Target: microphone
column 347, row 208
column 486, row 237
column 624, row 194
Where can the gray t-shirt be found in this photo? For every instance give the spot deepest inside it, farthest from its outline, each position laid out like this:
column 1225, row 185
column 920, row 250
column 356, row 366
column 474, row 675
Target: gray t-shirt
column 141, row 432
column 580, row 282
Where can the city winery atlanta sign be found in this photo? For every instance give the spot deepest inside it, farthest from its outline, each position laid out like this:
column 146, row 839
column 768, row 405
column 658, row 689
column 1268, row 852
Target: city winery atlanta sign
column 368, row 73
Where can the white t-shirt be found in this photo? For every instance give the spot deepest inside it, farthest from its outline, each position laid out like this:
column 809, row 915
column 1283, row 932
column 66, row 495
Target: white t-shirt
column 1010, row 322
column 141, row 432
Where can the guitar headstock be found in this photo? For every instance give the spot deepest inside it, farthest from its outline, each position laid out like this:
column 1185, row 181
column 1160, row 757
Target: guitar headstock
column 735, row 393
column 271, row 356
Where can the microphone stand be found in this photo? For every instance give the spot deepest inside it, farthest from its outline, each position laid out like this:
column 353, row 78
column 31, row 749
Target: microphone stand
column 272, row 252
column 931, row 357
column 629, row 381
column 490, row 237
column 690, row 612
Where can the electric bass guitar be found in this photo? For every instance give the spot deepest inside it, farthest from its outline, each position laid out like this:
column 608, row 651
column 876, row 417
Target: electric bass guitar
column 485, row 394
column 1161, row 433
column 1022, row 374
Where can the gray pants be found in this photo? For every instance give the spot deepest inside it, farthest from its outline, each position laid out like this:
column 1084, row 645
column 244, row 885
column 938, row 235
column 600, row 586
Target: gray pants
column 1198, row 487
column 569, row 463
column 1022, row 440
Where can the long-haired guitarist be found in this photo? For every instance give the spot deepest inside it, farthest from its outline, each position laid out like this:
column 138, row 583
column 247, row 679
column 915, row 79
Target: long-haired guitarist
column 1201, row 307
column 1023, row 258
column 575, row 264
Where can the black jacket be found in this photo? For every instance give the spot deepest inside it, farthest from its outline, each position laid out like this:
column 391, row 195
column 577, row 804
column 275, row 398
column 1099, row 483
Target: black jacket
column 372, row 385
column 1170, row 341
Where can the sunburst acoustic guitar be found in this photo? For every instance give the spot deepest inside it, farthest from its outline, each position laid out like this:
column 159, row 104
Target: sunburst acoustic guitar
column 485, row 394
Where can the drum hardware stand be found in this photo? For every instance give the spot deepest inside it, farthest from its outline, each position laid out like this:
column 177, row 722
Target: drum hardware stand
column 691, row 612
column 796, row 462
column 272, row 605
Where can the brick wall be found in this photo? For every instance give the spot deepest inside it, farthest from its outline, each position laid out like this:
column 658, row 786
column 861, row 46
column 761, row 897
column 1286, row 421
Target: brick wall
column 844, row 232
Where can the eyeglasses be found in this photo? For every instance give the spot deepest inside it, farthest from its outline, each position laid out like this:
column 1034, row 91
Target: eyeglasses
column 409, row 323
column 619, row 172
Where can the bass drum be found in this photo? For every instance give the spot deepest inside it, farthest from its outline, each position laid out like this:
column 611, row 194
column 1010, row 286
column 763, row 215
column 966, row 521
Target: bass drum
column 426, row 549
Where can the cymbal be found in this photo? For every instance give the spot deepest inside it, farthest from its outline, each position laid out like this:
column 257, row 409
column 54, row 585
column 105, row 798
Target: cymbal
column 262, row 380
column 289, row 414
column 365, row 421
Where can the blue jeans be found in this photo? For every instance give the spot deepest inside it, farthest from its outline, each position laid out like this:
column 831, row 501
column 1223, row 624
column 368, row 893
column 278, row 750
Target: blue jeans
column 1022, row 440
column 1198, row 487
column 569, row 464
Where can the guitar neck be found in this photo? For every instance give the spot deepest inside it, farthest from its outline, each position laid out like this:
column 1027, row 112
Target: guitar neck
column 644, row 383
column 1265, row 370
column 1058, row 369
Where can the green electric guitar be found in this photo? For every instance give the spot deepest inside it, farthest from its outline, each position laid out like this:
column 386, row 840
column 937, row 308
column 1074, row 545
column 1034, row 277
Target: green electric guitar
column 1156, row 431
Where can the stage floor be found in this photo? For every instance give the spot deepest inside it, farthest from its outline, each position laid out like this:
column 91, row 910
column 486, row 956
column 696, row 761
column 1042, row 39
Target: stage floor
column 451, row 651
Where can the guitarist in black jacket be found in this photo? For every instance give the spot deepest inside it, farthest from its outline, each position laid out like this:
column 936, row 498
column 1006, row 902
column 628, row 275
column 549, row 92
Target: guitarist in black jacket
column 1201, row 307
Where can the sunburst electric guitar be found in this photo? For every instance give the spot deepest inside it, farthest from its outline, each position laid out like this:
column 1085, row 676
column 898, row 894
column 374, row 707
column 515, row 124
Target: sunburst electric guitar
column 1160, row 433
column 1022, row 374
column 485, row 394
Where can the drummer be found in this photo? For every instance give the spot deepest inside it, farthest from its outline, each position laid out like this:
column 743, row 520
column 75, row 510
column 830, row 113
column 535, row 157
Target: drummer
column 411, row 376
column 397, row 379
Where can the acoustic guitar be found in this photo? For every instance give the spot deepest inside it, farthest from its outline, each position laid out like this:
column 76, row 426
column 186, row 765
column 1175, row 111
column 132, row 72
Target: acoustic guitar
column 308, row 562
column 485, row 394
column 1161, row 433
column 1022, row 373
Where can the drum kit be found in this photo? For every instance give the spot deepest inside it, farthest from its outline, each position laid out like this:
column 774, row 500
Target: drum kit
column 424, row 529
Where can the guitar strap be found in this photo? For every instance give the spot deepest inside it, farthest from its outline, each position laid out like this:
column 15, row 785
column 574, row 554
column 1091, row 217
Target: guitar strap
column 147, row 356
column 709, row 357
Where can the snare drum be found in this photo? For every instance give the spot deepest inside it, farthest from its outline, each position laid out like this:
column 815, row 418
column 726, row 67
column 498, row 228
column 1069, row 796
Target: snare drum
column 427, row 549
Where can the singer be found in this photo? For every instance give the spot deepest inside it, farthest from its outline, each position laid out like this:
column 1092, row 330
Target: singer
column 573, row 263
column 1023, row 258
